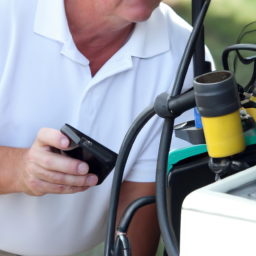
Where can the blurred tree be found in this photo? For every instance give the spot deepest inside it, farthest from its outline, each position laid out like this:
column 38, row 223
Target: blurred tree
column 223, row 24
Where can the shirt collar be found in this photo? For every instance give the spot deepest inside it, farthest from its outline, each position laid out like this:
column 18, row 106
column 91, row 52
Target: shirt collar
column 149, row 38
column 51, row 21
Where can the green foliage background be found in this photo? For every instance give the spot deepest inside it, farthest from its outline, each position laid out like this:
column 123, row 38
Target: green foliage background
column 223, row 23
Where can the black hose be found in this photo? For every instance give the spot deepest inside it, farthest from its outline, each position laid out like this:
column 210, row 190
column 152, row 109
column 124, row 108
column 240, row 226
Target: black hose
column 122, row 246
column 199, row 54
column 128, row 141
column 131, row 209
column 167, row 232
column 188, row 53
column 236, row 47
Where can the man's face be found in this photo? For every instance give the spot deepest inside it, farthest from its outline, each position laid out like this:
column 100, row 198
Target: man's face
column 129, row 10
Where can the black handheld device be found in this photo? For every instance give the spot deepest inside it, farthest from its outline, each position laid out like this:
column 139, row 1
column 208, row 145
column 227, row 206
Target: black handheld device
column 100, row 159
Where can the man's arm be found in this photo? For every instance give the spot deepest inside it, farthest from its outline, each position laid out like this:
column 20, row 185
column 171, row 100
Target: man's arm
column 11, row 160
column 143, row 231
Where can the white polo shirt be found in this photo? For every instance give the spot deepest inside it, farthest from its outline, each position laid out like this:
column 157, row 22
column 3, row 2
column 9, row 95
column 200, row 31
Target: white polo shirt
column 46, row 82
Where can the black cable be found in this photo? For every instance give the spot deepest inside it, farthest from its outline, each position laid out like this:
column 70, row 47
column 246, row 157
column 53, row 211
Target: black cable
column 131, row 209
column 118, row 247
column 245, row 61
column 238, row 47
column 199, row 54
column 188, row 53
column 128, row 141
column 122, row 246
column 167, row 232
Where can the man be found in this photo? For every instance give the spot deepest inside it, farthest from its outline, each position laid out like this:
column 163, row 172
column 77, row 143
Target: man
column 94, row 65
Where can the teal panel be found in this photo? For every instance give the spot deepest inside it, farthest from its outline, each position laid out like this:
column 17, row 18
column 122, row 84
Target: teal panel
column 179, row 154
column 250, row 140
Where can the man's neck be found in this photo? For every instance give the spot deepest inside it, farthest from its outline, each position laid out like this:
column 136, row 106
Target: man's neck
column 97, row 37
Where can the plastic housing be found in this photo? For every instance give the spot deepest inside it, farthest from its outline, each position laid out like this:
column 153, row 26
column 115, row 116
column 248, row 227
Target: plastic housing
column 100, row 159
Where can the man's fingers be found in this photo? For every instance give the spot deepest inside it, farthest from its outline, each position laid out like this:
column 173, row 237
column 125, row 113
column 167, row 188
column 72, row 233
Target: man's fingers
column 50, row 172
column 48, row 188
column 66, row 179
column 52, row 137
column 58, row 162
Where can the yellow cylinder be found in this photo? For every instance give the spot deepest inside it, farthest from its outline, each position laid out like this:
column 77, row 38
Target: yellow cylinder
column 224, row 135
column 253, row 98
column 252, row 112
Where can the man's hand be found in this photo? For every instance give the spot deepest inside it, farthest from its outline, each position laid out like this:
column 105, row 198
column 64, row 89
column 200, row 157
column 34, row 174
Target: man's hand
column 46, row 171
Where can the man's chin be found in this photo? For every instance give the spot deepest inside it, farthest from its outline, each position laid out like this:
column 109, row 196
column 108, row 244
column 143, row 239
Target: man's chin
column 140, row 15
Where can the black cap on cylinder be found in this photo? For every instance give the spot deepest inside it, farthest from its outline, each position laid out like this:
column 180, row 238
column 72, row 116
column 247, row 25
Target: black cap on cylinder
column 216, row 94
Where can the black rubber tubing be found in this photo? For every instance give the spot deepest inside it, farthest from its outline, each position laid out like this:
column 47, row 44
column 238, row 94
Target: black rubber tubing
column 125, row 149
column 199, row 54
column 235, row 47
column 189, row 50
column 167, row 232
column 131, row 209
